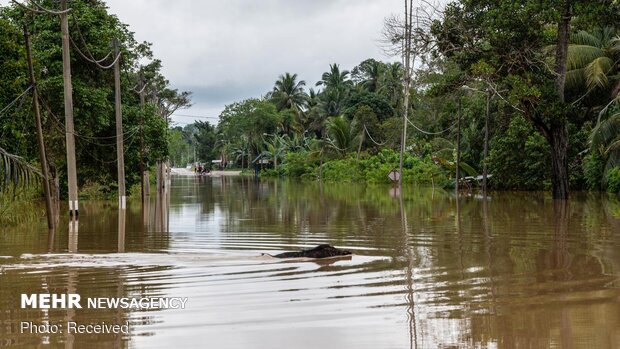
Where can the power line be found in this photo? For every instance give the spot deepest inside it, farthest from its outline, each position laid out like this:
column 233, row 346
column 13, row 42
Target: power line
column 375, row 142
column 196, row 116
column 90, row 57
column 16, row 100
column 430, row 133
column 40, row 9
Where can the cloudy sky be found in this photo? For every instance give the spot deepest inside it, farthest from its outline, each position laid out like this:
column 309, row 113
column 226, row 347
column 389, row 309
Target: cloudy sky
column 229, row 50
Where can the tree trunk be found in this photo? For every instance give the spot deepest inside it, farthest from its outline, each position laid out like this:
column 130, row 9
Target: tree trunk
column 558, row 135
column 559, row 161
column 561, row 51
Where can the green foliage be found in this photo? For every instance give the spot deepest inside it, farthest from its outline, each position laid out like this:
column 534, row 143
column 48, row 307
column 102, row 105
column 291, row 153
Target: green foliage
column 248, row 121
column 377, row 103
column 375, row 169
column 593, row 168
column 289, row 93
column 15, row 172
column 343, row 170
column 17, row 208
column 97, row 191
column 205, row 139
column 613, row 180
column 298, row 165
column 92, row 29
column 178, row 147
column 519, row 158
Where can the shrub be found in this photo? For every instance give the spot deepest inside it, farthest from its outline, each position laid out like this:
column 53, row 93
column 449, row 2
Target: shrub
column 613, row 180
column 298, row 165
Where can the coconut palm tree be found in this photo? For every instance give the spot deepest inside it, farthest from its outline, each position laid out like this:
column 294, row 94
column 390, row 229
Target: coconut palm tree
column 335, row 78
column 340, row 134
column 391, row 83
column 315, row 115
column 368, row 74
column 15, row 171
column 605, row 140
column 288, row 93
column 242, row 150
column 592, row 59
column 275, row 149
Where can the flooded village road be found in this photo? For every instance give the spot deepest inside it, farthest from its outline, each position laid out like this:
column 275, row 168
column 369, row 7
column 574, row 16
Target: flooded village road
column 430, row 271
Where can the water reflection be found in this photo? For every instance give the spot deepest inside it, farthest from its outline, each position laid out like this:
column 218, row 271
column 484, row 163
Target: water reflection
column 430, row 269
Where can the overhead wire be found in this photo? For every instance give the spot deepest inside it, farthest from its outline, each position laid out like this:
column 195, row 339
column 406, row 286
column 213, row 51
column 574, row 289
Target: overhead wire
column 46, row 10
column 88, row 55
column 428, row 132
column 26, row 7
column 375, row 142
column 59, row 124
column 23, row 94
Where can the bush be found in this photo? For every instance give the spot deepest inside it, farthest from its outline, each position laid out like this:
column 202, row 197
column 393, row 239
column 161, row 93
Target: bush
column 270, row 172
column 519, row 158
column 613, row 180
column 21, row 206
column 297, row 165
column 376, row 168
column 593, row 168
column 96, row 191
column 343, row 170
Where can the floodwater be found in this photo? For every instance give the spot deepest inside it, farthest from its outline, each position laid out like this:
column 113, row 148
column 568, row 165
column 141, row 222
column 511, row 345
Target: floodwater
column 428, row 271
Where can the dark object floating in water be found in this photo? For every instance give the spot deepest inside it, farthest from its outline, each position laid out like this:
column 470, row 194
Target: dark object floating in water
column 321, row 251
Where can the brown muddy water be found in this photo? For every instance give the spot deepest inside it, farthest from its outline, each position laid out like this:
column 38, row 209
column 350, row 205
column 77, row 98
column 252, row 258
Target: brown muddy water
column 430, row 271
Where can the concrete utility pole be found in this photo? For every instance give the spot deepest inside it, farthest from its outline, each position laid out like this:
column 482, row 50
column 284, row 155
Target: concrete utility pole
column 407, row 83
column 120, row 151
column 68, row 95
column 41, row 143
column 144, row 173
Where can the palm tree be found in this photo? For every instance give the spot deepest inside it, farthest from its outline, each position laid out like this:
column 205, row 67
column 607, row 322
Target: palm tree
column 315, row 115
column 605, row 141
column 288, row 93
column 275, row 149
column 243, row 151
column 341, row 134
column 391, row 84
column 15, row 171
column 335, row 78
column 592, row 58
column 368, row 74
column 319, row 148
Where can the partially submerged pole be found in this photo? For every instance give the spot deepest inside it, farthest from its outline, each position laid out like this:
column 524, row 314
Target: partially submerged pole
column 119, row 129
column 68, row 97
column 37, row 117
column 406, row 84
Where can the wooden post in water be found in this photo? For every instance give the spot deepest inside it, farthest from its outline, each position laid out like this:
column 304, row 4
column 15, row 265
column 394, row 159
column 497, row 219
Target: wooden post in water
column 69, row 128
column 119, row 128
column 37, row 117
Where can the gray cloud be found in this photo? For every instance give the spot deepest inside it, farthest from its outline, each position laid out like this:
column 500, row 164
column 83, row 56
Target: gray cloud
column 228, row 50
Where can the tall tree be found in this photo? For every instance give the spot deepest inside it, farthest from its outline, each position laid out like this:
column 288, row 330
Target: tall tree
column 288, row 93
column 503, row 47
